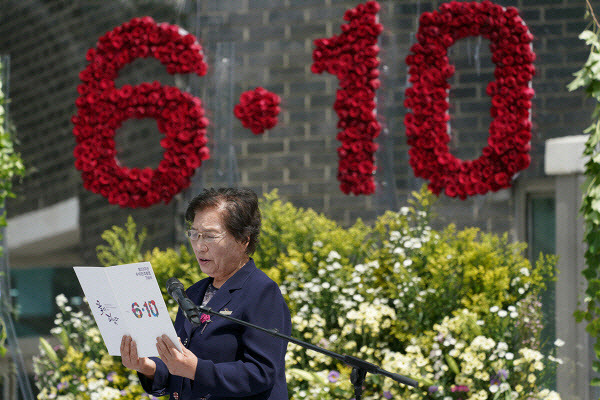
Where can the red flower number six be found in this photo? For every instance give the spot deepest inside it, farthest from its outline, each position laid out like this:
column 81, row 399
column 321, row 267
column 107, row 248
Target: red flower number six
column 102, row 108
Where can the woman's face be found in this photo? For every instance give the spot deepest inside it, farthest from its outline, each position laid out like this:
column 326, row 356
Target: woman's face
column 221, row 255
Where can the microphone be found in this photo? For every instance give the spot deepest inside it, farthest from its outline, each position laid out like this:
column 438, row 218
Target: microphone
column 177, row 292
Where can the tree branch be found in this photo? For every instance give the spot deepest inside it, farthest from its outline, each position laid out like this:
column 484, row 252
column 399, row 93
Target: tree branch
column 589, row 6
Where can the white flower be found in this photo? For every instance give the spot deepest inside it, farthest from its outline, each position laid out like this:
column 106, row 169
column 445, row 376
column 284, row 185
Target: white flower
column 556, row 360
column 56, row 330
column 524, row 271
column 552, row 395
column 358, row 297
column 333, row 255
column 559, row 343
column 494, row 309
column 502, row 313
column 494, row 388
column 504, row 386
column 360, row 268
column 509, row 356
column 61, row 300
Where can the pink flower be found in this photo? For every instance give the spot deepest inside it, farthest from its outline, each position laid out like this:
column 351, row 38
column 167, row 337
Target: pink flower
column 204, row 318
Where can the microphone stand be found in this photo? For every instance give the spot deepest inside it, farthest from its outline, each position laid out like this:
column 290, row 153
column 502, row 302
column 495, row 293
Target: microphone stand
column 359, row 367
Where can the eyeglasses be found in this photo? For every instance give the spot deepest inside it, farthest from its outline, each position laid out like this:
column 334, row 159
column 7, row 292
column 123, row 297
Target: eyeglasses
column 206, row 237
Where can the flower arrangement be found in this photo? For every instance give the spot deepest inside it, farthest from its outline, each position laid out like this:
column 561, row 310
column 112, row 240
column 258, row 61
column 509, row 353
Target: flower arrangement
column 352, row 58
column 102, row 108
column 421, row 303
column 457, row 359
column 456, row 310
column 507, row 150
column 258, row 110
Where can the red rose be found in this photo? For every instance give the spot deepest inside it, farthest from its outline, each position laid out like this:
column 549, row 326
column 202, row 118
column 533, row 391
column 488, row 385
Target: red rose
column 451, row 190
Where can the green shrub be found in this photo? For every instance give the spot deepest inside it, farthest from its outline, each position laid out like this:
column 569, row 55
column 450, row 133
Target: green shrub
column 289, row 230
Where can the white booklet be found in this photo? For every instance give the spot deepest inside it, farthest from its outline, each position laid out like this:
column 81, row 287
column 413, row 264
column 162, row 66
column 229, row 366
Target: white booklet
column 126, row 300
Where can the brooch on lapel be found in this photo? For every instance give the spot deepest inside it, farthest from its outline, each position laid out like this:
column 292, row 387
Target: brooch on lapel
column 225, row 312
column 204, row 319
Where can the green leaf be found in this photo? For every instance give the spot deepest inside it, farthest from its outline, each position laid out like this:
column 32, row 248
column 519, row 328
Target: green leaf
column 63, row 336
column 48, row 350
column 451, row 364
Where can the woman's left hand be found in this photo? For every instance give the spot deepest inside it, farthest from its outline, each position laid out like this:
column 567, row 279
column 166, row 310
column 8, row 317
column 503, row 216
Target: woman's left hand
column 181, row 363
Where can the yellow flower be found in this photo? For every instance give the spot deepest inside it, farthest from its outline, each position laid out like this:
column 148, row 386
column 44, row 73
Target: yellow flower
column 519, row 388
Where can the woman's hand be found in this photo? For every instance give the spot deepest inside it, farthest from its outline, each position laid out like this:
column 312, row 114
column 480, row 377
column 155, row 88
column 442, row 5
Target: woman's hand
column 130, row 359
column 181, row 363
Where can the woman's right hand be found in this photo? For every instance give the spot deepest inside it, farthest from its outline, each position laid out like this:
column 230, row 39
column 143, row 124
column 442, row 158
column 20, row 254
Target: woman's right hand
column 130, row 359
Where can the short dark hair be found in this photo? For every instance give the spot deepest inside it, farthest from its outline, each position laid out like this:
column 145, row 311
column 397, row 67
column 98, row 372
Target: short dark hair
column 241, row 214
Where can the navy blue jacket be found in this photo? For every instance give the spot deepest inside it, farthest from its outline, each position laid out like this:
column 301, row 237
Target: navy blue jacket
column 234, row 361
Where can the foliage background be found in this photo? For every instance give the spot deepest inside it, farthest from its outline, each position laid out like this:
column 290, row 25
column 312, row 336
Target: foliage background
column 588, row 78
column 11, row 167
column 457, row 310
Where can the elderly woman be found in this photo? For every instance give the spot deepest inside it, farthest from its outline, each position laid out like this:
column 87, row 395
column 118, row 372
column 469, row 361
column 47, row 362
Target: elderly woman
column 222, row 359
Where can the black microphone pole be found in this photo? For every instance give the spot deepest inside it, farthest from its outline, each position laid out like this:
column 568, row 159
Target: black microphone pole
column 360, row 367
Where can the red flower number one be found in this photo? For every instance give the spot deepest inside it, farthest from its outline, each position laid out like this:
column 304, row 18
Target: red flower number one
column 352, row 57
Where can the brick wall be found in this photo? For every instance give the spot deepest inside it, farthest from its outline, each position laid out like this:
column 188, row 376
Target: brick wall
column 273, row 46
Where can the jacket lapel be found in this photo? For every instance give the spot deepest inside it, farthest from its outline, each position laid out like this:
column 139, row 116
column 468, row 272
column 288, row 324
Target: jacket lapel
column 195, row 294
column 236, row 282
column 223, row 295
